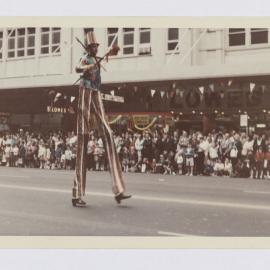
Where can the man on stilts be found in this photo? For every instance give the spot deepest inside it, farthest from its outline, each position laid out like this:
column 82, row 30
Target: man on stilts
column 89, row 104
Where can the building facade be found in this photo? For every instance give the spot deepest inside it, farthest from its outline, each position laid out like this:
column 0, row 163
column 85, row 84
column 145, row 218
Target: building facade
column 181, row 76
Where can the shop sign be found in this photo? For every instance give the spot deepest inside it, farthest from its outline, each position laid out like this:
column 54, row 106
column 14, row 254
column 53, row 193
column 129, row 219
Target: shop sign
column 243, row 120
column 230, row 99
column 141, row 120
column 52, row 109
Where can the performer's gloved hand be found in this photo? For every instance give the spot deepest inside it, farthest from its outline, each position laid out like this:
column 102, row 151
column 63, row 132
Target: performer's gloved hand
column 88, row 67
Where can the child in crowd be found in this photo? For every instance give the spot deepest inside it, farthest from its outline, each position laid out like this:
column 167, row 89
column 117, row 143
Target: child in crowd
column 219, row 168
column 145, row 166
column 189, row 157
column 68, row 157
column 160, row 164
column 208, row 169
column 125, row 159
column 154, row 166
column 227, row 167
column 179, row 159
column 133, row 159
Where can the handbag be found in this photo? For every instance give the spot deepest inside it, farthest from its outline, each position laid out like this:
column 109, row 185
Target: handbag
column 233, row 152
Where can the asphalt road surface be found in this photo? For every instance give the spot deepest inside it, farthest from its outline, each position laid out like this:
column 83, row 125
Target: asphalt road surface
column 38, row 203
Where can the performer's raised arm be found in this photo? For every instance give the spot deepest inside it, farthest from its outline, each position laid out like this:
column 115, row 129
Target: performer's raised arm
column 83, row 66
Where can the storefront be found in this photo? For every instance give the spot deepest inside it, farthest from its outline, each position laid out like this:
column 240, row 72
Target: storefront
column 191, row 104
column 199, row 104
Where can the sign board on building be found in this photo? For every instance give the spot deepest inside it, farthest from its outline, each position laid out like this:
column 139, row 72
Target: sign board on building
column 243, row 120
column 141, row 120
column 112, row 98
column 231, row 99
column 261, row 125
column 52, row 109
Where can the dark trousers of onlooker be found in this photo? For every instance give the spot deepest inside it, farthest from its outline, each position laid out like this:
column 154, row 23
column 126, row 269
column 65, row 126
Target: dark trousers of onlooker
column 12, row 161
column 15, row 160
column 267, row 169
column 73, row 163
column 29, row 161
column 259, row 169
column 21, row 161
column 200, row 162
column 234, row 162
column 90, row 162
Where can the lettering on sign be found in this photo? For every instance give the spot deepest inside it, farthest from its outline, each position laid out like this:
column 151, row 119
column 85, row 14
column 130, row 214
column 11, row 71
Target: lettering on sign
column 141, row 120
column 51, row 109
column 229, row 99
column 112, row 98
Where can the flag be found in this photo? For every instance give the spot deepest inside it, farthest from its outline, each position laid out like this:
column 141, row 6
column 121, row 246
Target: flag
column 201, row 88
column 57, row 97
column 162, row 93
column 251, row 87
column 211, row 86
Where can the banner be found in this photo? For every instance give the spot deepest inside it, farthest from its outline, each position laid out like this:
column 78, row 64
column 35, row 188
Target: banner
column 243, row 120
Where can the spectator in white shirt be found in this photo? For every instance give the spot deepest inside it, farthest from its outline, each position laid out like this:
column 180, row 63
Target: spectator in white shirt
column 42, row 155
column 139, row 146
column 7, row 154
column 213, row 152
column 247, row 146
column 68, row 157
column 15, row 150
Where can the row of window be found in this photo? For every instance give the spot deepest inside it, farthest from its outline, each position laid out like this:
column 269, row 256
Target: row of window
column 21, row 42
column 127, row 37
column 248, row 36
column 237, row 37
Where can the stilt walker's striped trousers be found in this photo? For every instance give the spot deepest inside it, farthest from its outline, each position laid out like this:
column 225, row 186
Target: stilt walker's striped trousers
column 89, row 103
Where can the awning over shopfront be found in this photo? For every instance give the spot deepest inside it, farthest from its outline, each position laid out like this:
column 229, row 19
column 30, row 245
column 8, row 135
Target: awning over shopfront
column 211, row 96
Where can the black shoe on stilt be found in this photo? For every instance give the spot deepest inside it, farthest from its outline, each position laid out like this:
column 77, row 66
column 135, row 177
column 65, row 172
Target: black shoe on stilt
column 78, row 203
column 121, row 197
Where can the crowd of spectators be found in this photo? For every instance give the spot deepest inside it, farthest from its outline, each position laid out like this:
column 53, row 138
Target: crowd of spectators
column 160, row 151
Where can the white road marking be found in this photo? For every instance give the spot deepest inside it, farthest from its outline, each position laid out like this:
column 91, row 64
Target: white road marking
column 15, row 176
column 29, row 188
column 176, row 234
column 206, row 203
column 257, row 192
column 38, row 171
column 152, row 198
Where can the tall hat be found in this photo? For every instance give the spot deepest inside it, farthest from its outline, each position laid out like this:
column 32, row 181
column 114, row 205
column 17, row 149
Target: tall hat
column 91, row 39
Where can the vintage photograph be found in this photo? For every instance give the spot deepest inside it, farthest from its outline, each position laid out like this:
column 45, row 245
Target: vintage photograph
column 114, row 131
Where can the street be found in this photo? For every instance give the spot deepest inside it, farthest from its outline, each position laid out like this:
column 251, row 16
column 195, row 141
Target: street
column 38, row 203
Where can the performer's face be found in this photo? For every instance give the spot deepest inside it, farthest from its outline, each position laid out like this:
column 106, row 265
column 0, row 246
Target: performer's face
column 93, row 49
